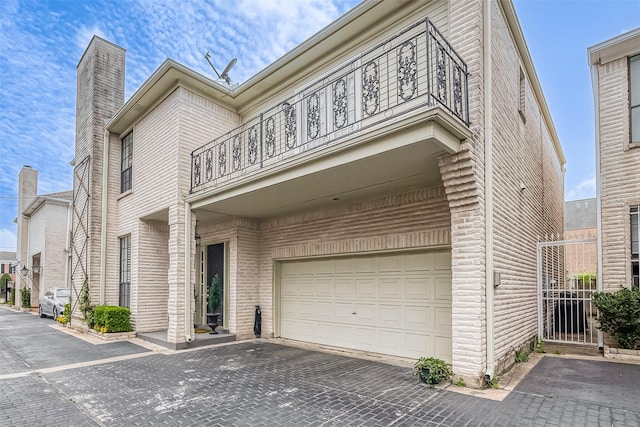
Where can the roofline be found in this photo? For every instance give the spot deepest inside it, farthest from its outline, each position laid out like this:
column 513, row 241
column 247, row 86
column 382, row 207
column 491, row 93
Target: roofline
column 38, row 201
column 521, row 44
column 614, row 48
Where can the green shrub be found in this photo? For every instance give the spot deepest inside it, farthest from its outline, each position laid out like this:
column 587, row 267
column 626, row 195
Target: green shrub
column 522, row 355
column 12, row 296
column 89, row 317
column 66, row 315
column 109, row 318
column 26, row 297
column 619, row 315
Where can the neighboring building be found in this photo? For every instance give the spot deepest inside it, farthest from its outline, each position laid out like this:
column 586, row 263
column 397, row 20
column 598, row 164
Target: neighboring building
column 580, row 227
column 43, row 238
column 7, row 264
column 381, row 188
column 615, row 75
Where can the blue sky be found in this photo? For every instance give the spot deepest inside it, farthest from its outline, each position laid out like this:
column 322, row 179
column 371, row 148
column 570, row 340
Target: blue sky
column 41, row 43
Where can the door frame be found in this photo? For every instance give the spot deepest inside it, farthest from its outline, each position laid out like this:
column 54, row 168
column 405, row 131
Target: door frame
column 203, row 285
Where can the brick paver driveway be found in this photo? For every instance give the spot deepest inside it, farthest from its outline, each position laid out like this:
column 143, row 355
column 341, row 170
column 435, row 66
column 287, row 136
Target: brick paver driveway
column 261, row 383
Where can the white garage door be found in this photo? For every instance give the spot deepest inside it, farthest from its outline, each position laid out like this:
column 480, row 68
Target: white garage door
column 397, row 304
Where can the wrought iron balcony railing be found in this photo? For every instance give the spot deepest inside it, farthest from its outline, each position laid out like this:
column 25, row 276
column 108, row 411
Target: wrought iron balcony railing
column 413, row 69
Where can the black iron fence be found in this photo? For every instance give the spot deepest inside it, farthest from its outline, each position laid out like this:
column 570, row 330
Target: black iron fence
column 413, row 69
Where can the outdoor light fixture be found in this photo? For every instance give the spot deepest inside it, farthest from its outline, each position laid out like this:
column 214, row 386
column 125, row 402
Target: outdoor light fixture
column 35, row 268
column 198, row 239
column 25, row 270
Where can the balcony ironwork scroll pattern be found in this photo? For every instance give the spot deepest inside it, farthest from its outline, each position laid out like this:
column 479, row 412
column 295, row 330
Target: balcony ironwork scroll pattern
column 290, row 125
column 414, row 69
column 370, row 88
column 340, row 103
column 407, row 70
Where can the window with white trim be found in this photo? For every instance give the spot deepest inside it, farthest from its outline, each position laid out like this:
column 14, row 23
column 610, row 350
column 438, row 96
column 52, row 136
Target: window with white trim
column 124, row 299
column 634, row 97
column 125, row 162
column 635, row 245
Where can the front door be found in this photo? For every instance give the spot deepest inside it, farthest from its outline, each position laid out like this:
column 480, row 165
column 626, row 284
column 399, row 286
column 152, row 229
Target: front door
column 215, row 280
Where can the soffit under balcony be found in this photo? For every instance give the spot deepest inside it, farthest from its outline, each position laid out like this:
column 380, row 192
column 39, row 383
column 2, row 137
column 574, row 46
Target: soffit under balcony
column 385, row 161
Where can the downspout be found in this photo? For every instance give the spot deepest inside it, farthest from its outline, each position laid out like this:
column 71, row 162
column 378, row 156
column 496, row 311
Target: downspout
column 103, row 220
column 188, row 295
column 488, row 182
column 596, row 102
column 67, row 247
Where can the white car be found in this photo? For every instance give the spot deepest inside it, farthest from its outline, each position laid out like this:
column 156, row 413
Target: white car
column 53, row 301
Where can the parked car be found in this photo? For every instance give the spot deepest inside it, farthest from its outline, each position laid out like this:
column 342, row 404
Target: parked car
column 53, row 301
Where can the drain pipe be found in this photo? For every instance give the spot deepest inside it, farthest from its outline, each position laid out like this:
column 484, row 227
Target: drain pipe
column 103, row 220
column 488, row 183
column 188, row 295
column 67, row 247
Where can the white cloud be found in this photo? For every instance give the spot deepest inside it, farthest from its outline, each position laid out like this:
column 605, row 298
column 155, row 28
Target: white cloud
column 584, row 190
column 7, row 240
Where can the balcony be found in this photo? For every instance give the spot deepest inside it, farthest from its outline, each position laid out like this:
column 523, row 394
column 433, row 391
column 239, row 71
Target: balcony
column 411, row 78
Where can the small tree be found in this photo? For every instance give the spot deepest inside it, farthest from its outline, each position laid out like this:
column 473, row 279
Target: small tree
column 84, row 302
column 26, row 297
column 3, row 283
column 619, row 315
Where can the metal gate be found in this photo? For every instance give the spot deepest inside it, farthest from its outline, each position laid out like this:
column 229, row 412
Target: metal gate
column 566, row 283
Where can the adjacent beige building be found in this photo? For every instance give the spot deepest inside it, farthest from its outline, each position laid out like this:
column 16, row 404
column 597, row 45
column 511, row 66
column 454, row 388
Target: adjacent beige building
column 615, row 75
column 43, row 234
column 379, row 188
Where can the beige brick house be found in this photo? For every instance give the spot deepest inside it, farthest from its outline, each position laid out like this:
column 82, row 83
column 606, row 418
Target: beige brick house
column 43, row 225
column 379, row 188
column 615, row 75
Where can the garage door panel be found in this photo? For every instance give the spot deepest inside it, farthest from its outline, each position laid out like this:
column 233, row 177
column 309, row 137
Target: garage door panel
column 365, row 265
column 345, row 288
column 324, row 288
column 397, row 304
column 389, row 341
column 418, row 344
column 442, row 347
column 418, row 318
column 390, row 264
column 324, row 266
column 324, row 311
column 366, row 288
column 344, row 312
column 391, row 314
column 442, row 319
column 442, row 261
column 423, row 261
column 419, row 289
column 392, row 288
column 366, row 313
column 443, row 288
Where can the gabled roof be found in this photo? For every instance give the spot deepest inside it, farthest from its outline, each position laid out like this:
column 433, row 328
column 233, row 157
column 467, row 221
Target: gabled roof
column 62, row 198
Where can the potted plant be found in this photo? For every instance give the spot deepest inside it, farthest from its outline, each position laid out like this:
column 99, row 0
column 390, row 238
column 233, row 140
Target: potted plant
column 213, row 303
column 432, row 371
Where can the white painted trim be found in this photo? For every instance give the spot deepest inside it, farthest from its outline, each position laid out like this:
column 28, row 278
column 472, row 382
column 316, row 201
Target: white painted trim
column 103, row 219
column 596, row 113
column 488, row 188
column 188, row 325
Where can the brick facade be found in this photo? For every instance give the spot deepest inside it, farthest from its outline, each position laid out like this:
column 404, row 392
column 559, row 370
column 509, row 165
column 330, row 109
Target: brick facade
column 618, row 171
column 446, row 209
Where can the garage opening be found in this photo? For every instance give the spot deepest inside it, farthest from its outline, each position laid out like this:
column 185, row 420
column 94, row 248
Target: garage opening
column 396, row 304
